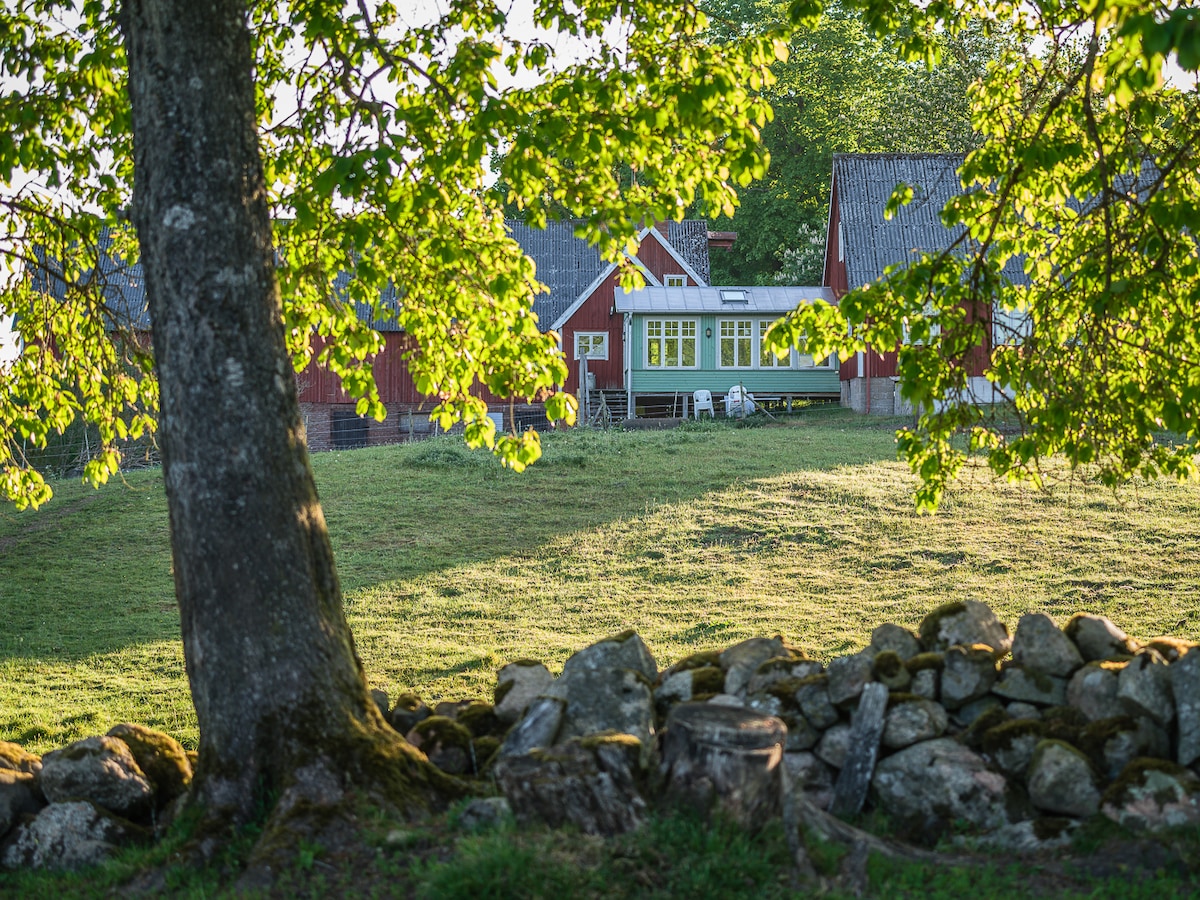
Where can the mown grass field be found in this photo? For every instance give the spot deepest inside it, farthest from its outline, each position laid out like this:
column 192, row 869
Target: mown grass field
column 697, row 537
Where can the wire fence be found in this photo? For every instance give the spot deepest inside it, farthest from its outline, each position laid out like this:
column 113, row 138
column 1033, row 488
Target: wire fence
column 66, row 455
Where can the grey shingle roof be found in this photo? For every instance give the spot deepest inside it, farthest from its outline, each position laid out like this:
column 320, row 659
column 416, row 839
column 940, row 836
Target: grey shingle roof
column 566, row 264
column 865, row 181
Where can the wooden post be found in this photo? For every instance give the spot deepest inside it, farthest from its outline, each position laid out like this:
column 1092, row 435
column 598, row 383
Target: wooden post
column 866, row 729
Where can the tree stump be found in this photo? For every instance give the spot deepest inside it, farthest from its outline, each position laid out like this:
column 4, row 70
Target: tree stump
column 725, row 757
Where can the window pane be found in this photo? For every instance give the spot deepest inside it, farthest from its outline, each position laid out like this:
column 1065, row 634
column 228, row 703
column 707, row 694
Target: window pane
column 743, row 351
column 689, row 351
column 671, row 352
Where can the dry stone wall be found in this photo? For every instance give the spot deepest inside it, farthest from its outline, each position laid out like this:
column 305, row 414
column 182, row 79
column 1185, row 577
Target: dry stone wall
column 1015, row 736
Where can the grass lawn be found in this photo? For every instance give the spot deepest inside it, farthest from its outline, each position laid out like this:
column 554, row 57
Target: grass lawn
column 696, row 537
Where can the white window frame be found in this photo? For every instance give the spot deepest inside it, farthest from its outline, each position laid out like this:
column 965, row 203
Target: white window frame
column 591, row 338
column 674, row 281
column 662, row 331
column 738, row 330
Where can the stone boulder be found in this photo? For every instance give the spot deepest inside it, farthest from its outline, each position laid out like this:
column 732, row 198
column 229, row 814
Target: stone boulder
column 810, row 776
column 933, row 784
column 446, row 743
column 1010, row 745
column 408, row 711
column 834, row 746
column 1153, row 795
column 621, row 651
column 517, row 684
column 741, row 661
column 602, row 700
column 888, row 669
column 898, row 640
column 1018, row 682
column 781, row 669
column 1040, row 646
column 68, row 835
column 965, row 623
column 688, row 684
column 968, row 673
column 1093, row 690
column 847, row 675
column 812, row 695
column 1185, row 688
column 539, row 727
column 19, row 796
column 1098, row 638
column 910, row 719
column 1144, row 688
column 100, row 770
column 1061, row 780
column 18, row 759
column 160, row 757
column 1113, row 743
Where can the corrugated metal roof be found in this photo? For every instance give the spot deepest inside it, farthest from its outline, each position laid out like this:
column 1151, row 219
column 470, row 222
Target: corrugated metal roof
column 864, row 182
column 772, row 300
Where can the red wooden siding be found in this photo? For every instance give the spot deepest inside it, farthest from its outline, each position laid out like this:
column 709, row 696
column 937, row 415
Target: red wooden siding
column 655, row 257
column 596, row 315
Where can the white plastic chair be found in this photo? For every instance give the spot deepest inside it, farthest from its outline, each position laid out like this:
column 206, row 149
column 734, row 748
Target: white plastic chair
column 702, row 400
column 736, row 404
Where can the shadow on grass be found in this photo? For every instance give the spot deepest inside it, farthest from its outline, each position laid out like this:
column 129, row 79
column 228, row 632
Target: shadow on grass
column 91, row 572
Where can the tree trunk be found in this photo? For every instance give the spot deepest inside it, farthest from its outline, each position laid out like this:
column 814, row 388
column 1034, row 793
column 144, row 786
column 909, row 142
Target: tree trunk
column 280, row 697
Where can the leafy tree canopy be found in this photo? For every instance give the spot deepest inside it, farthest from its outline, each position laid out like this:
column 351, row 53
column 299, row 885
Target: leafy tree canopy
column 843, row 88
column 1087, row 176
column 377, row 136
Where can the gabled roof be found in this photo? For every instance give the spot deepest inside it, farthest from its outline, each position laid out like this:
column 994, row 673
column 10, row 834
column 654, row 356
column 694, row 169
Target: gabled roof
column 862, row 185
column 565, row 263
column 121, row 285
column 772, row 300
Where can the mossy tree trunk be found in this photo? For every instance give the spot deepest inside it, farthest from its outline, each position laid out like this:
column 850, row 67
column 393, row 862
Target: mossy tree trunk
column 283, row 708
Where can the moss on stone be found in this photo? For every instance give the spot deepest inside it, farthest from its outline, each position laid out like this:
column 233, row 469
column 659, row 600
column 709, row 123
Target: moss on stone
column 1171, row 648
column 776, row 664
column 14, row 756
column 1047, row 828
column 1064, row 723
column 703, row 698
column 932, row 623
column 707, row 680
column 923, row 661
column 1002, row 736
column 899, row 698
column 785, row 689
column 817, row 678
column 984, row 722
column 1093, row 737
column 409, row 701
column 485, row 751
column 526, row 663
column 627, row 635
column 480, row 719
column 611, row 739
column 1047, row 743
column 443, row 731
column 501, row 691
column 159, row 756
column 697, row 661
column 1135, row 775
column 887, row 664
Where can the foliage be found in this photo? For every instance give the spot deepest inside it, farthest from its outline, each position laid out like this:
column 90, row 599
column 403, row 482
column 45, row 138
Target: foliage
column 1088, row 180
column 841, row 89
column 376, row 136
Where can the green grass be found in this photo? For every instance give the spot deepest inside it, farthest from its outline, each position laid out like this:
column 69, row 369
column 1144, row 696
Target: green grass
column 696, row 538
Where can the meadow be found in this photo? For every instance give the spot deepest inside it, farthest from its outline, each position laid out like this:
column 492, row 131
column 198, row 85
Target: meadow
column 696, row 537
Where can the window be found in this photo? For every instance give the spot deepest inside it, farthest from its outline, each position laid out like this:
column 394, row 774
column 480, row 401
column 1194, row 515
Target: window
column 767, row 359
column 348, row 429
column 670, row 343
column 675, row 280
column 592, row 344
column 737, row 340
column 735, row 296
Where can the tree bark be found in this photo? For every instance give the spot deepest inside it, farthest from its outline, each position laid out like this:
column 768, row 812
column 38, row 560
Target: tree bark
column 283, row 708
